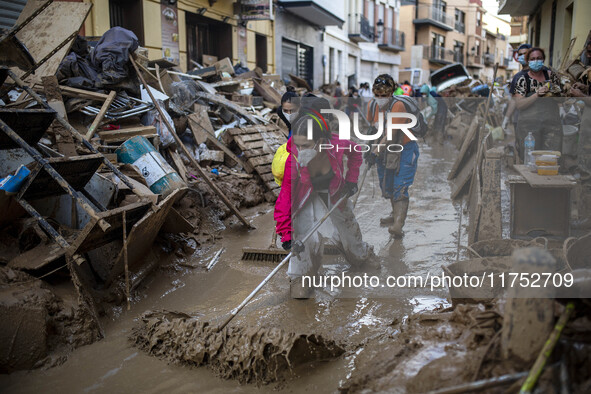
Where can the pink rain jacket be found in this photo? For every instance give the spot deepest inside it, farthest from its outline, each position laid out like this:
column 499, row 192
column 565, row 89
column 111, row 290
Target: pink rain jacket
column 297, row 186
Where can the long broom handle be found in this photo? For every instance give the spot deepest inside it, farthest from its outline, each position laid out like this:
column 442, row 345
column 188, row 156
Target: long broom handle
column 361, row 184
column 276, row 269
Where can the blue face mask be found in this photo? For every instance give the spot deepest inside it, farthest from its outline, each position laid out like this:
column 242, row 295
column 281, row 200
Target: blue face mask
column 536, row 65
column 521, row 59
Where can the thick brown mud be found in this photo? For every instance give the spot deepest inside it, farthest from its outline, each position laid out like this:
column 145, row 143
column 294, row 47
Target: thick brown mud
column 249, row 354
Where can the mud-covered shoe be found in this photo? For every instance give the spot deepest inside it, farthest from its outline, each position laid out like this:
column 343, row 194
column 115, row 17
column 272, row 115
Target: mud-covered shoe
column 385, row 221
column 298, row 290
column 400, row 210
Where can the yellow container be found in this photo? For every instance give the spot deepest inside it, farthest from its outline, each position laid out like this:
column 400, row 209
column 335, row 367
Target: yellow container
column 547, row 170
column 546, row 160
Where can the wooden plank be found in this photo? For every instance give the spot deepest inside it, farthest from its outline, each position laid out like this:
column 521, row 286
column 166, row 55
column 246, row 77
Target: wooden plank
column 198, row 127
column 194, row 126
column 263, row 169
column 248, row 137
column 244, row 147
column 176, row 223
column 178, row 163
column 219, row 100
column 536, row 180
column 463, row 177
column 124, row 134
column 46, row 31
column 490, row 226
column 101, row 115
column 261, row 160
column 269, row 93
column 64, row 141
column 272, row 185
column 143, row 233
column 81, row 93
column 249, row 154
column 302, row 83
column 468, row 140
column 38, row 257
column 474, row 209
column 268, row 177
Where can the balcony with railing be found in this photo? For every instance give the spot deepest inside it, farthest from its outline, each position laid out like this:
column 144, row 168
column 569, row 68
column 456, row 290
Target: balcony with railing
column 437, row 54
column 460, row 27
column 488, row 59
column 359, row 29
column 458, row 57
column 391, row 39
column 474, row 60
column 433, row 16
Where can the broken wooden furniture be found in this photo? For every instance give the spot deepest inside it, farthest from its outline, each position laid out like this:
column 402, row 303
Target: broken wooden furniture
column 68, row 127
column 540, row 205
column 19, row 129
column 180, row 144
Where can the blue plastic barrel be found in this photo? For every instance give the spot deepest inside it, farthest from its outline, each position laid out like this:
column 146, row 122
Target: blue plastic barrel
column 159, row 175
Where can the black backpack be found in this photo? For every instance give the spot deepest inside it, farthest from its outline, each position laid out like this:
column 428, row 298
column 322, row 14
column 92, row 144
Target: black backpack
column 411, row 106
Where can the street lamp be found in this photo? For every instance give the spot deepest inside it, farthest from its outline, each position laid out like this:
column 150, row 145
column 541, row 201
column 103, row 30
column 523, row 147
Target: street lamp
column 380, row 25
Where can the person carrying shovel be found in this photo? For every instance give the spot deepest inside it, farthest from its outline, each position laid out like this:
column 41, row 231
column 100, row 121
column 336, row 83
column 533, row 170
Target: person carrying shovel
column 316, row 177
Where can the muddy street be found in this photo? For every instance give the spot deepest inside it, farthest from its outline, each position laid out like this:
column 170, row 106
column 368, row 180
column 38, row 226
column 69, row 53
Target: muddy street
column 295, row 196
column 114, row 365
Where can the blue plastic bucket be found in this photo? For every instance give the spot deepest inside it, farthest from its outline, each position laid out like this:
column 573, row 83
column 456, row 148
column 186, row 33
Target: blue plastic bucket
column 159, row 175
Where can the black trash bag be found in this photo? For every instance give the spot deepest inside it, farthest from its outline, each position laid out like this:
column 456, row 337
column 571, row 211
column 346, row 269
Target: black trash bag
column 80, row 46
column 77, row 72
column 240, row 69
column 111, row 55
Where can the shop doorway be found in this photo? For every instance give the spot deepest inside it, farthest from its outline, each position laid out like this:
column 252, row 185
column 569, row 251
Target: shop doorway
column 206, row 36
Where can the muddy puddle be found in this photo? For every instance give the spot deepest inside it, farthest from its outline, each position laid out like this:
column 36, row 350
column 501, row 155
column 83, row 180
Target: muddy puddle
column 115, row 365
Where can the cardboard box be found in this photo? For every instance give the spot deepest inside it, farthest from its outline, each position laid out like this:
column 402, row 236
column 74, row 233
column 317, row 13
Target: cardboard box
column 224, row 65
column 209, row 60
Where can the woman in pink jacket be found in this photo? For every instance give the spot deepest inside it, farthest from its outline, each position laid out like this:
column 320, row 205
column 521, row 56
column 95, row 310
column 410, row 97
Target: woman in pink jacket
column 315, row 178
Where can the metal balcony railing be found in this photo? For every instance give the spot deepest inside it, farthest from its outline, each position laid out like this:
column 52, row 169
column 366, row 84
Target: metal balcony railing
column 474, row 60
column 392, row 39
column 360, row 28
column 458, row 57
column 435, row 14
column 460, row 27
column 439, row 54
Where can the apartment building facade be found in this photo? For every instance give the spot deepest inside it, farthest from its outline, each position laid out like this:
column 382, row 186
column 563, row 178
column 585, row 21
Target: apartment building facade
column 552, row 24
column 443, row 33
column 369, row 43
column 185, row 31
column 497, row 49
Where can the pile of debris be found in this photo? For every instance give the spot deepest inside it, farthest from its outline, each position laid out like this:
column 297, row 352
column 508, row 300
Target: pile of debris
column 105, row 153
